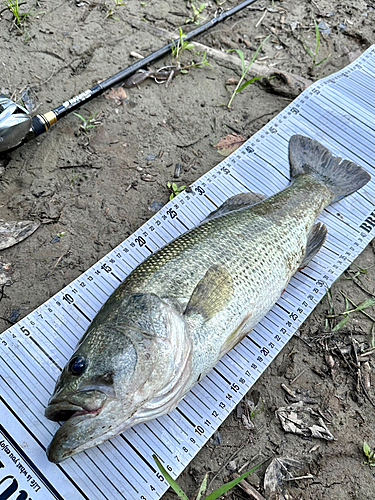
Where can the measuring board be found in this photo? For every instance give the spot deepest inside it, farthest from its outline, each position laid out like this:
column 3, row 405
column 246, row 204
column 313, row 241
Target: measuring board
column 338, row 111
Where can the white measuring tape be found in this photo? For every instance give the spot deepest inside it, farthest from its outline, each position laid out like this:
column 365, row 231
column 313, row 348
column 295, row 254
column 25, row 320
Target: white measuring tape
column 338, row 111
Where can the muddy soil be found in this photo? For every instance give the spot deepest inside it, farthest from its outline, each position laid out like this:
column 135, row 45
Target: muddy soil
column 96, row 187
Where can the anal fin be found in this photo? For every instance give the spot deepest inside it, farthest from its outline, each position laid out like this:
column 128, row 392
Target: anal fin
column 315, row 241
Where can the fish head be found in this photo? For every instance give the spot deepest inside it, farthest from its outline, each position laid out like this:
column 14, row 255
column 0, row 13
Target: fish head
column 128, row 368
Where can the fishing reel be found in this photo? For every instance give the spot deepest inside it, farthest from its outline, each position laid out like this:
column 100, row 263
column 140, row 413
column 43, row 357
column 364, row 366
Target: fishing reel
column 15, row 123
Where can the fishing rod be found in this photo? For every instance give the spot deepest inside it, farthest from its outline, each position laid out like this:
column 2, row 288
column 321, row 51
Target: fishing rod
column 17, row 126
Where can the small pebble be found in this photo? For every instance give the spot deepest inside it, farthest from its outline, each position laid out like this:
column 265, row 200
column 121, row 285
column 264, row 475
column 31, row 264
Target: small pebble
column 151, row 157
column 177, row 171
column 148, row 178
column 247, row 423
column 156, row 206
column 324, row 28
column 14, row 315
column 216, row 438
column 232, row 466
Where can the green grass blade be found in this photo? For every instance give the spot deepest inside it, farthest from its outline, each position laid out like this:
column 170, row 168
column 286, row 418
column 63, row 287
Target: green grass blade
column 203, row 487
column 256, row 54
column 227, row 486
column 322, row 61
column 366, row 449
column 172, row 483
column 242, row 57
column 309, row 52
column 80, row 116
column 364, row 305
column 248, row 83
column 340, row 325
column 364, row 271
column 317, row 33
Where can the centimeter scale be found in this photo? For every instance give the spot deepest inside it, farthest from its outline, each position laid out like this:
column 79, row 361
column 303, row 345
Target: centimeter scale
column 338, row 111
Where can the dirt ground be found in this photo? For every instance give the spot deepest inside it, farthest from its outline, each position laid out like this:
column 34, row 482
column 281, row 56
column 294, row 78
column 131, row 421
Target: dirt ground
column 97, row 188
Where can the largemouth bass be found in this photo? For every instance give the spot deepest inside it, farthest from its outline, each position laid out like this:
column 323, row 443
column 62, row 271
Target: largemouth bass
column 187, row 305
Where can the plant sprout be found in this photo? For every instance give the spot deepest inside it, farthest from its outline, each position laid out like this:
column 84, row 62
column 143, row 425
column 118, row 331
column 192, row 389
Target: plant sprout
column 87, row 122
column 196, row 14
column 174, row 189
column 240, row 86
column 212, row 496
column 311, row 54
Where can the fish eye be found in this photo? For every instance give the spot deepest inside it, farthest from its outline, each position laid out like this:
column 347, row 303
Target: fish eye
column 77, row 365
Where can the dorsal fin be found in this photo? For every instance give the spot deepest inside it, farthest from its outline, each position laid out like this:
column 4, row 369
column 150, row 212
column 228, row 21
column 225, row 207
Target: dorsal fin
column 212, row 293
column 237, row 202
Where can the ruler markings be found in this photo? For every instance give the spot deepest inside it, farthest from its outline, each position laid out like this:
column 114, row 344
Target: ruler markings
column 153, row 437
column 207, row 193
column 248, row 172
column 88, row 308
column 240, row 352
column 236, row 362
column 36, row 380
column 200, row 401
column 202, row 393
column 190, row 199
column 350, row 86
column 342, row 126
column 118, row 456
column 190, row 413
column 211, row 385
column 334, row 140
column 257, row 336
column 37, row 363
column 63, row 325
column 105, row 277
column 360, row 79
column 355, row 101
column 92, row 294
column 337, row 103
column 343, row 135
column 102, row 464
column 345, row 87
column 341, row 219
column 15, row 398
column 96, row 473
column 247, row 347
column 113, row 462
column 89, row 484
column 200, row 388
column 225, row 368
column 63, row 351
column 35, row 469
column 45, row 353
column 101, row 289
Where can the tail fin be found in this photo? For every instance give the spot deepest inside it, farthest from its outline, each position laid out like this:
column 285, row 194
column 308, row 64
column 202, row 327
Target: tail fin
column 342, row 177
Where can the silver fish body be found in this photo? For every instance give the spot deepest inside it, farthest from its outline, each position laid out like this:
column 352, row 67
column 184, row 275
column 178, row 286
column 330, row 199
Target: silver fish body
column 187, row 305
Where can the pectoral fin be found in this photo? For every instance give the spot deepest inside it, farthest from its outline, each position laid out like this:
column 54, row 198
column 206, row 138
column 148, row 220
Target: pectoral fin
column 315, row 241
column 212, row 293
column 243, row 329
column 237, row 202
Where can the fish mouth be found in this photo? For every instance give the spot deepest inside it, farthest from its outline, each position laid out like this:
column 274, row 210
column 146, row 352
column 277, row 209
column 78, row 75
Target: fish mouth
column 83, row 426
column 62, row 412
